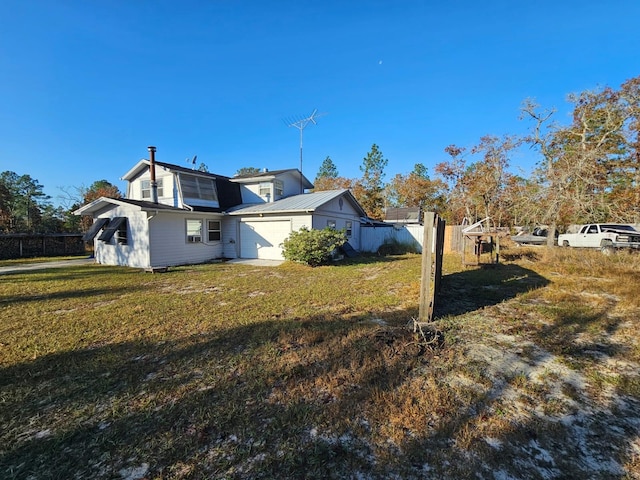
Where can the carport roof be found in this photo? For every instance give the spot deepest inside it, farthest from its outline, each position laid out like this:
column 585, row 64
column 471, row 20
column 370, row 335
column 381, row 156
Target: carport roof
column 307, row 202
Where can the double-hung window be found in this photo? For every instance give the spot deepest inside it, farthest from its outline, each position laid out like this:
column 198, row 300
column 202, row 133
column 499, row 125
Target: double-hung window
column 194, row 231
column 278, row 187
column 145, row 187
column 348, row 228
column 214, row 231
column 265, row 189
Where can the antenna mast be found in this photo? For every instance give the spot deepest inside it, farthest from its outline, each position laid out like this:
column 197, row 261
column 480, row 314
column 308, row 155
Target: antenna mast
column 300, row 124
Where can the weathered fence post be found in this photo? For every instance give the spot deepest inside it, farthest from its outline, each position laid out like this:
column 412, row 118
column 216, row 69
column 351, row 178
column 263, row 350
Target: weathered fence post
column 432, row 250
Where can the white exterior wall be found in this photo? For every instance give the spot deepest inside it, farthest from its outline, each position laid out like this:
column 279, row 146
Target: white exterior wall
column 291, row 184
column 170, row 246
column 136, row 252
column 169, row 187
column 373, row 237
column 334, row 211
column 251, row 193
column 230, row 237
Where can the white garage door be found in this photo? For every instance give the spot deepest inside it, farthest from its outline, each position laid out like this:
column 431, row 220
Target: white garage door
column 263, row 239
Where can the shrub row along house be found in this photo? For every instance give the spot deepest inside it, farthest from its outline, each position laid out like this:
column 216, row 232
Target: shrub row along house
column 174, row 215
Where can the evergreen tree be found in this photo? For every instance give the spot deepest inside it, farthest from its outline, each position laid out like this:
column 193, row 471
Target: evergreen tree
column 369, row 190
column 327, row 170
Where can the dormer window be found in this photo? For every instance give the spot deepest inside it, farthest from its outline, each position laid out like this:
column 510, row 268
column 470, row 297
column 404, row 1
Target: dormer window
column 278, row 186
column 265, row 189
column 145, row 187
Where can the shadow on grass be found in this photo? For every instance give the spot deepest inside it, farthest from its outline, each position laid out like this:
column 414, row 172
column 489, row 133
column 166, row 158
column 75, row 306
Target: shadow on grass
column 478, row 288
column 315, row 398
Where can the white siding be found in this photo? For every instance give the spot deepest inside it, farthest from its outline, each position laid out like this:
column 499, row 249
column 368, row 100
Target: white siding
column 230, row 237
column 290, row 185
column 250, row 193
column 135, row 253
column 371, row 238
column 169, row 188
column 169, row 243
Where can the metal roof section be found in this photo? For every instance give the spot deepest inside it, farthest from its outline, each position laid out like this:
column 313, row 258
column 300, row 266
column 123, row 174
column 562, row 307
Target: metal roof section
column 270, row 175
column 306, row 202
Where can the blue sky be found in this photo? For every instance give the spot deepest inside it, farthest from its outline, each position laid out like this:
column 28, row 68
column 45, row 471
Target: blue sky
column 86, row 86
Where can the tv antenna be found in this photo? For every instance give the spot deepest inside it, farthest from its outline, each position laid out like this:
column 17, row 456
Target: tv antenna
column 300, row 124
column 192, row 161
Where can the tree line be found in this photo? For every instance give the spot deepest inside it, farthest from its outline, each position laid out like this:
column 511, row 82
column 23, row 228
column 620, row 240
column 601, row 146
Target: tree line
column 25, row 208
column 586, row 170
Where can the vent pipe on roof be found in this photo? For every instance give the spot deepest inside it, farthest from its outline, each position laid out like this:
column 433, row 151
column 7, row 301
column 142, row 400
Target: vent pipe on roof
column 152, row 171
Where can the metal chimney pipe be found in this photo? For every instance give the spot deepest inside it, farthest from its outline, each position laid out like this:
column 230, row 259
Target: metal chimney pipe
column 152, row 171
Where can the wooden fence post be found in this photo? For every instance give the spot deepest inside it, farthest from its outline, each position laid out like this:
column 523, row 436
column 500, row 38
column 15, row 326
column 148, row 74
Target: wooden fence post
column 432, row 251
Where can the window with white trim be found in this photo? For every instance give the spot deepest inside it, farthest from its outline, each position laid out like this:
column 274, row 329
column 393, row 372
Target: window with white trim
column 194, row 231
column 265, row 189
column 214, row 232
column 145, row 188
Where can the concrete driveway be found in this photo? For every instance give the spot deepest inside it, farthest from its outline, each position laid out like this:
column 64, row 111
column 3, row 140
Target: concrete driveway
column 41, row 266
column 84, row 261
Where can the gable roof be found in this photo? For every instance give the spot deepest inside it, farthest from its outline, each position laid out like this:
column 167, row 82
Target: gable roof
column 306, row 202
column 229, row 193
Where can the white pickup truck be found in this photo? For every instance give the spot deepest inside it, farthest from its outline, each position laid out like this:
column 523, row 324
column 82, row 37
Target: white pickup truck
column 605, row 236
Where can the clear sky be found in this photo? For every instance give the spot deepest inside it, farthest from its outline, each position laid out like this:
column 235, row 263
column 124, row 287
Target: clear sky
column 86, row 86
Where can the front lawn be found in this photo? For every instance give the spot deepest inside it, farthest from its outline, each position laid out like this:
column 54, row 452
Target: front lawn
column 233, row 371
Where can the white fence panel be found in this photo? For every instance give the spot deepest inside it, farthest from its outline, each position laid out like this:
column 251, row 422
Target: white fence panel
column 371, row 238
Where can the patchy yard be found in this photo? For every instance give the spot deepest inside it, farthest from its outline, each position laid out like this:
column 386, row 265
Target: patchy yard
column 232, row 371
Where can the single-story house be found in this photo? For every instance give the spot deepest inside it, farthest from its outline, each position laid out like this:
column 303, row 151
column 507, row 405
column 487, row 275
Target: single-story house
column 174, row 215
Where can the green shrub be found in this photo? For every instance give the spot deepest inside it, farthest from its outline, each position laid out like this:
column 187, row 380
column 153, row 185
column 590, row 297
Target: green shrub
column 313, row 247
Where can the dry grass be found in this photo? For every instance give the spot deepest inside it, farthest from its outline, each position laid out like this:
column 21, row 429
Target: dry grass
column 230, row 371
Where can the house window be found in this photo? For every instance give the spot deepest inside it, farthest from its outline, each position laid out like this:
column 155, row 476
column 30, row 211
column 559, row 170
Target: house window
column 214, row 232
column 194, row 231
column 265, row 189
column 145, row 186
column 348, row 227
column 278, row 187
column 331, row 223
column 115, row 225
column 198, row 187
column 121, row 234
